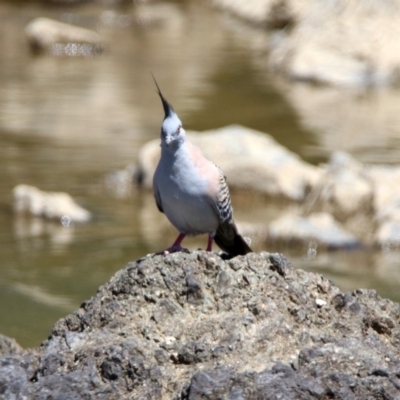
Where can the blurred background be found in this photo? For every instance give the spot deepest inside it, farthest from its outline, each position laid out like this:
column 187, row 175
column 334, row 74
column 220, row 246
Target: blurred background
column 69, row 119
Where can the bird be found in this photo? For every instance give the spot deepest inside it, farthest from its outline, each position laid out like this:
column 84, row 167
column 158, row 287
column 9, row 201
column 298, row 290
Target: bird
column 192, row 191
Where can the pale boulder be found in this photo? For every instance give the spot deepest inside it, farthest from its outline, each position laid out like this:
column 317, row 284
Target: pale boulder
column 58, row 38
column 343, row 189
column 387, row 195
column 318, row 227
column 251, row 160
column 342, row 42
column 365, row 198
column 339, row 42
column 273, row 14
column 49, row 205
column 386, row 203
column 388, row 233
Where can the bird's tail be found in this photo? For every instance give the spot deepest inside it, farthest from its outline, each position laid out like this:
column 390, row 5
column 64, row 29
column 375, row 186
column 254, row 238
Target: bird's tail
column 228, row 239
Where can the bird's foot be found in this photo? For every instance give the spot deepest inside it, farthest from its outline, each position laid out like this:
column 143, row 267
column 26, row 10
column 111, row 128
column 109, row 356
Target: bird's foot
column 173, row 249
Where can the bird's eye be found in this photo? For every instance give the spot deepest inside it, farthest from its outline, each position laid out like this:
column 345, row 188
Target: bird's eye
column 179, row 129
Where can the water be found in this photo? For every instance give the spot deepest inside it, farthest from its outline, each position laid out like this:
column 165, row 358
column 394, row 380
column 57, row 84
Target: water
column 65, row 123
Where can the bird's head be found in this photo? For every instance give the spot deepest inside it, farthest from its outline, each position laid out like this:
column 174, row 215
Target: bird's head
column 172, row 132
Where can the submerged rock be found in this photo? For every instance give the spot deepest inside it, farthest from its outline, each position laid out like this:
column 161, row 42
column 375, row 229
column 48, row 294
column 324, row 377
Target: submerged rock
column 61, row 39
column 193, row 326
column 50, row 205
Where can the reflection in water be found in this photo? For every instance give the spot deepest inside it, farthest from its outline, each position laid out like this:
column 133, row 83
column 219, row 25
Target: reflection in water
column 66, row 221
column 360, row 121
column 36, row 293
column 60, row 234
column 66, row 123
column 312, row 250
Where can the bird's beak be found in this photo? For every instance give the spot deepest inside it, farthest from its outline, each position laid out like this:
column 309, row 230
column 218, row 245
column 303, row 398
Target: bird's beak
column 168, row 140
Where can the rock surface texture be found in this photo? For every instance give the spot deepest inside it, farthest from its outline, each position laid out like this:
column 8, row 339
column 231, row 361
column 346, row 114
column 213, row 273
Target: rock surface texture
column 193, row 326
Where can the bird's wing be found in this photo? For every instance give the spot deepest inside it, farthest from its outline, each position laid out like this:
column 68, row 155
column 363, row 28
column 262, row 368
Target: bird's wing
column 227, row 236
column 223, row 199
column 157, row 196
column 218, row 192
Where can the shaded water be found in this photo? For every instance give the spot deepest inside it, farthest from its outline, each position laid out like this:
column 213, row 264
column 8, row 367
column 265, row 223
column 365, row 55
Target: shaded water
column 67, row 122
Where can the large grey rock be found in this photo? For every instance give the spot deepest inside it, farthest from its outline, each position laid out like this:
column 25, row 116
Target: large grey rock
column 251, row 160
column 9, row 346
column 193, row 326
column 58, row 38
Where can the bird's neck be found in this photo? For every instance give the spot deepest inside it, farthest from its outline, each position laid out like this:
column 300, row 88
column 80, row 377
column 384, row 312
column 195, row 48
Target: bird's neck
column 177, row 158
column 173, row 149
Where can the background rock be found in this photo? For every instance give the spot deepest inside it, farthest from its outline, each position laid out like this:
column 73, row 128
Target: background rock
column 362, row 197
column 346, row 192
column 49, row 205
column 386, row 204
column 317, row 227
column 343, row 189
column 346, row 203
column 250, row 160
column 191, row 326
column 342, row 42
column 273, row 14
column 59, row 38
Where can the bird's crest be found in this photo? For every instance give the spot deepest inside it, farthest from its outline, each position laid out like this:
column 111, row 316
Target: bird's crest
column 167, row 107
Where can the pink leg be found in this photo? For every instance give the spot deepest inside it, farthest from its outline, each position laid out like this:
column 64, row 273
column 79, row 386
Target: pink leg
column 210, row 241
column 177, row 245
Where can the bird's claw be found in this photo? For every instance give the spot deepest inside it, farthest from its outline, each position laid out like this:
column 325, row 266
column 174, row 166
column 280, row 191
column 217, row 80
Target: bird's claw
column 173, row 249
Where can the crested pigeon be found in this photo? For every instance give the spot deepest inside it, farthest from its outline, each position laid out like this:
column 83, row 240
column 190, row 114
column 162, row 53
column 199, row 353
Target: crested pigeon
column 192, row 191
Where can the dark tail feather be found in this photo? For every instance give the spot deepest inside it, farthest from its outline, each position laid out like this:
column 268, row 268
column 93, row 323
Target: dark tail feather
column 228, row 239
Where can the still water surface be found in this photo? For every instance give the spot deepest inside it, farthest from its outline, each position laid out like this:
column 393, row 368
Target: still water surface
column 65, row 123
